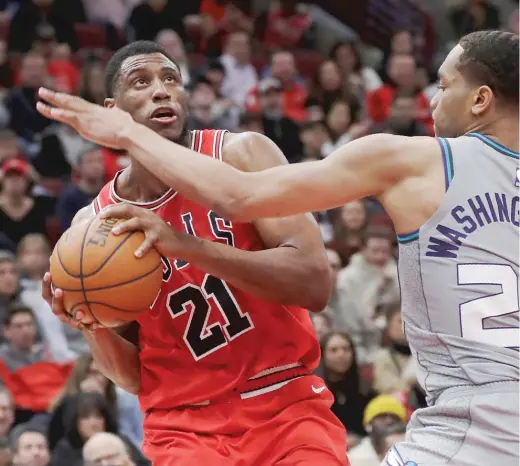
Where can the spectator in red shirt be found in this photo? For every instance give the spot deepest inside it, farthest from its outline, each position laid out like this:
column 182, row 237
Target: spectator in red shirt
column 287, row 24
column 283, row 67
column 402, row 72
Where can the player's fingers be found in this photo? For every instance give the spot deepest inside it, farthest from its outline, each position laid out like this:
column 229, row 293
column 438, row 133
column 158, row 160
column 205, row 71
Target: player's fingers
column 128, row 225
column 64, row 116
column 62, row 100
column 47, row 289
column 146, row 245
column 123, row 210
column 57, row 302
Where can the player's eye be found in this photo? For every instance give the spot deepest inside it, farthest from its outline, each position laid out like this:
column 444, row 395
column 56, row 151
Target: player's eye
column 139, row 82
column 170, row 79
column 441, row 87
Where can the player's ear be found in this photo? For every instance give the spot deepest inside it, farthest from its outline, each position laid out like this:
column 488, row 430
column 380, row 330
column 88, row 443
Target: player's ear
column 482, row 100
column 109, row 102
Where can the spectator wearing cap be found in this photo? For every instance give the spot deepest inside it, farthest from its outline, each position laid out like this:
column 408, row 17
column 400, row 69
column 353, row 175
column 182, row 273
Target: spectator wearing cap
column 19, row 213
column 385, row 439
column 279, row 128
column 33, row 13
column 26, row 121
column 9, row 282
column 89, row 179
column 286, row 24
column 382, row 412
column 241, row 75
column 30, row 446
column 106, row 449
column 283, row 68
column 171, row 42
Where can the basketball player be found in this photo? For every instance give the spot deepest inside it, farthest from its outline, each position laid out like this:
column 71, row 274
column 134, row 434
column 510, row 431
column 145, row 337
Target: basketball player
column 455, row 205
column 223, row 360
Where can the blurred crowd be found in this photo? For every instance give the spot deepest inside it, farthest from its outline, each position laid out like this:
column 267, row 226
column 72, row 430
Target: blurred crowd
column 246, row 69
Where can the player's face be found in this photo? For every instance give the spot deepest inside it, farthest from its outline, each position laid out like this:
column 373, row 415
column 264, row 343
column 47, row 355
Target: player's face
column 453, row 101
column 151, row 90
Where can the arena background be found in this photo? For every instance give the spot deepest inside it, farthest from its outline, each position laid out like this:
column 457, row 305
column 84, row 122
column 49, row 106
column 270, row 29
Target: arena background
column 312, row 77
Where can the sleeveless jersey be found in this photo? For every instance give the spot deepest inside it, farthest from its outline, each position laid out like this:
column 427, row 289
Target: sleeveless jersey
column 203, row 337
column 459, row 272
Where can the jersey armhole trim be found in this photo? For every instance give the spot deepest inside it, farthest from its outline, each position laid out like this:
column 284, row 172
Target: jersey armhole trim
column 408, row 238
column 447, row 160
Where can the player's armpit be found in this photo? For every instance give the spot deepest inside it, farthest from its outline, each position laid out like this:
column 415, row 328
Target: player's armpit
column 368, row 166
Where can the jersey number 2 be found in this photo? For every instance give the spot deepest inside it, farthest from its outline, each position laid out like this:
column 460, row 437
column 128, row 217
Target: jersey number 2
column 474, row 313
column 200, row 338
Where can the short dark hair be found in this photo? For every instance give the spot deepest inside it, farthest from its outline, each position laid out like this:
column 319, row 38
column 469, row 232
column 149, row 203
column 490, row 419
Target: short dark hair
column 378, row 233
column 491, row 58
column 113, row 68
column 14, row 309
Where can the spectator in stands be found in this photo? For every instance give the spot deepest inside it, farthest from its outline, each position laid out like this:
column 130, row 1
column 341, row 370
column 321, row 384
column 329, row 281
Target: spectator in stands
column 401, row 43
column 474, row 15
column 313, row 135
column 6, row 454
column 91, row 81
column 8, row 146
column 32, row 13
column 370, row 280
column 150, row 17
column 314, row 110
column 9, row 283
column 114, row 12
column 380, row 414
column 341, row 375
column 86, row 378
column 358, row 78
column 201, row 105
column 283, row 68
column 6, row 412
column 19, row 213
column 343, row 124
column 404, row 117
column 85, row 415
column 286, row 24
column 322, row 324
column 240, row 75
column 30, row 446
column 105, row 449
column 349, row 229
column 21, row 349
column 171, row 42
column 89, row 179
column 402, row 72
column 394, row 369
column 394, row 433
column 251, row 121
column 33, row 259
column 26, row 121
column 279, row 128
column 6, row 71
column 327, row 85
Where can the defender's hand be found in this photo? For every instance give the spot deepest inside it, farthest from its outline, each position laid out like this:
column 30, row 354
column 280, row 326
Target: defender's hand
column 158, row 233
column 104, row 126
column 54, row 299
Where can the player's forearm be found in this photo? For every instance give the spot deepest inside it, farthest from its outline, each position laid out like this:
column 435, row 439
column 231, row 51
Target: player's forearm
column 283, row 275
column 200, row 178
column 117, row 358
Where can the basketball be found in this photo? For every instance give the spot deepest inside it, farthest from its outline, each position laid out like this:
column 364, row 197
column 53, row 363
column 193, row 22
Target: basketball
column 100, row 274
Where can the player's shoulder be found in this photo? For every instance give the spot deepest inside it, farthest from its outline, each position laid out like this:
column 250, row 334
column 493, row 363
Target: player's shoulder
column 250, row 151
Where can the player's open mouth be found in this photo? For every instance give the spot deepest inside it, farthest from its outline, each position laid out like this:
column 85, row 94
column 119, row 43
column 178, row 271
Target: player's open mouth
column 164, row 115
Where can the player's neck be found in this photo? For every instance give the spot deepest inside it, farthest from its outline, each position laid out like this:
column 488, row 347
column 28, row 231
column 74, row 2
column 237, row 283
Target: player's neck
column 137, row 184
column 503, row 130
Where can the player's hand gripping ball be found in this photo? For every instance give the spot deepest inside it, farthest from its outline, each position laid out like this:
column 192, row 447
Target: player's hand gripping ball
column 101, row 276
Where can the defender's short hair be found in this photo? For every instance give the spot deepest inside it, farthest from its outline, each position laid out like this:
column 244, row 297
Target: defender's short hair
column 113, row 68
column 491, row 58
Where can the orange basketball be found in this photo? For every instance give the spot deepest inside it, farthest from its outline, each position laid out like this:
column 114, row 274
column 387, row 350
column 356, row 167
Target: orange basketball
column 100, row 274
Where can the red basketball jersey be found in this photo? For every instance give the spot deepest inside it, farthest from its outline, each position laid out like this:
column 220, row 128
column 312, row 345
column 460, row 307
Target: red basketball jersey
column 203, row 337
